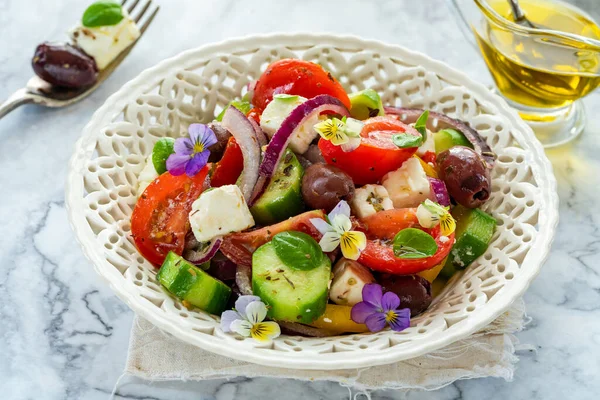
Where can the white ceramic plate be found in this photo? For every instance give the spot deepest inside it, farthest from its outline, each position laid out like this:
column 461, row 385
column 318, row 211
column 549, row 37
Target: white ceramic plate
column 193, row 86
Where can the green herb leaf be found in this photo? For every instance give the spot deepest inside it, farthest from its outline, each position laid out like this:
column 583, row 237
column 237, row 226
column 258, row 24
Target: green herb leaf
column 421, row 124
column 102, row 13
column 286, row 97
column 298, row 250
column 413, row 243
column 406, row 140
column 161, row 151
column 241, row 105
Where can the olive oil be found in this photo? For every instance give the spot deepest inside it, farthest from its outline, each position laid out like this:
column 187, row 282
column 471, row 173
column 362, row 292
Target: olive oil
column 537, row 73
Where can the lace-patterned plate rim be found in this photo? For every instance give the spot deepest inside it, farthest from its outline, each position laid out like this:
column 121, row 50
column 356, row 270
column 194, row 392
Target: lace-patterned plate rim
column 480, row 317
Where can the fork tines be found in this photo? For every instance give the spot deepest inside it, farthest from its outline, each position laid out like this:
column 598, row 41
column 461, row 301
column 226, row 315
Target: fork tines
column 144, row 8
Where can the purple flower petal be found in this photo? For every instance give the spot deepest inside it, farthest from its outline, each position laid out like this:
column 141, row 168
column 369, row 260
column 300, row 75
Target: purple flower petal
column 227, row 318
column 242, row 302
column 209, row 138
column 361, row 311
column 341, row 208
column 322, row 226
column 390, row 301
column 197, row 132
column 402, row 320
column 183, row 146
column 372, row 293
column 375, row 322
column 196, row 163
column 176, row 164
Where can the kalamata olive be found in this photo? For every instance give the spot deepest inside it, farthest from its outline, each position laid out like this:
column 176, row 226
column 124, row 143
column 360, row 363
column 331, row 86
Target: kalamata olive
column 323, row 186
column 414, row 291
column 64, row 65
column 466, row 175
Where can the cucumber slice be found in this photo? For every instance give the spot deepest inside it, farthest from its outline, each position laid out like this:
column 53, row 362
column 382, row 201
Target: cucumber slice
column 447, row 138
column 474, row 231
column 191, row 284
column 291, row 294
column 365, row 104
column 161, row 151
column 282, row 198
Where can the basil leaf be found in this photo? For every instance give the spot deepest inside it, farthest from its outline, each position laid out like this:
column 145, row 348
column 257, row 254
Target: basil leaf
column 102, row 13
column 421, row 124
column 161, row 151
column 241, row 105
column 413, row 243
column 298, row 250
column 406, row 140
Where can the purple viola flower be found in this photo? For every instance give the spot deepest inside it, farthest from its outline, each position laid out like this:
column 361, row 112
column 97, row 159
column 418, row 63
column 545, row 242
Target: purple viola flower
column 191, row 154
column 379, row 309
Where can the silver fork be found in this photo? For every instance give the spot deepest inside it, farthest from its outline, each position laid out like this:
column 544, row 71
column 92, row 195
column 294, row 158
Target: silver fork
column 40, row 92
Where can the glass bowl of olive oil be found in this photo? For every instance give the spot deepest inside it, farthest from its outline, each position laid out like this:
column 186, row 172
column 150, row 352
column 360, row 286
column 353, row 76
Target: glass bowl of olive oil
column 543, row 72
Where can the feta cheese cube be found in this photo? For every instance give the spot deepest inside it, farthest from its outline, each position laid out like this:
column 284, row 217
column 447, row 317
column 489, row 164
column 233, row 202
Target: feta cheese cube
column 105, row 43
column 370, row 199
column 349, row 278
column 147, row 175
column 277, row 110
column 218, row 212
column 408, row 186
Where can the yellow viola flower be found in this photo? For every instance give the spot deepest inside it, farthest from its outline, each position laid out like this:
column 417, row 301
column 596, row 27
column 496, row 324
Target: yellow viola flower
column 248, row 320
column 337, row 232
column 343, row 132
column 431, row 214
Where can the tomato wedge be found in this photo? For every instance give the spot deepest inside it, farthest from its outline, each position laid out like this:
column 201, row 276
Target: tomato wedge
column 381, row 228
column 229, row 168
column 159, row 221
column 297, row 77
column 254, row 114
column 377, row 154
column 238, row 247
column 386, row 224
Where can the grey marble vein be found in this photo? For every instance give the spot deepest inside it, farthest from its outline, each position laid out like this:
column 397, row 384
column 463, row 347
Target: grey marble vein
column 64, row 335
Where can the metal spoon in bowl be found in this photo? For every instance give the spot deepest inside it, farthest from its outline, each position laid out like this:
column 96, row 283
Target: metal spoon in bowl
column 519, row 14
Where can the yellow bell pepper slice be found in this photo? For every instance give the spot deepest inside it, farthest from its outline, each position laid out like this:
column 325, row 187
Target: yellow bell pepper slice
column 432, row 273
column 429, row 170
column 336, row 319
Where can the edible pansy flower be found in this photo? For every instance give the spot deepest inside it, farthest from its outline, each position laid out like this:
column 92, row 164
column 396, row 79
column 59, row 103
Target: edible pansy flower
column 191, row 153
column 343, row 132
column 379, row 309
column 431, row 214
column 336, row 232
column 248, row 320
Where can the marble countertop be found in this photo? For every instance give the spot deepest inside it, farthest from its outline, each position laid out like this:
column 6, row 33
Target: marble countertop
column 65, row 335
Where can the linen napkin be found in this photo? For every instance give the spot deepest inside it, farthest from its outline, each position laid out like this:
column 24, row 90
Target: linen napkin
column 157, row 356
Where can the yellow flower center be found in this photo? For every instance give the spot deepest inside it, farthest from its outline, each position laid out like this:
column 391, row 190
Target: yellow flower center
column 391, row 316
column 259, row 331
column 198, row 148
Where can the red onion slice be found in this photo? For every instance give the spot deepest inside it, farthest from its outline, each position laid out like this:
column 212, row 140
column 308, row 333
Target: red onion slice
column 410, row 115
column 281, row 138
column 260, row 135
column 439, row 192
column 242, row 130
column 207, row 251
column 243, row 279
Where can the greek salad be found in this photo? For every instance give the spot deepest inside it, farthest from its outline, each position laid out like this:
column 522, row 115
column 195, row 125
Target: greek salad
column 304, row 209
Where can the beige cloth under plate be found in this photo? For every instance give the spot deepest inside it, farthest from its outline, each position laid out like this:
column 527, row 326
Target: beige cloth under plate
column 157, row 356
